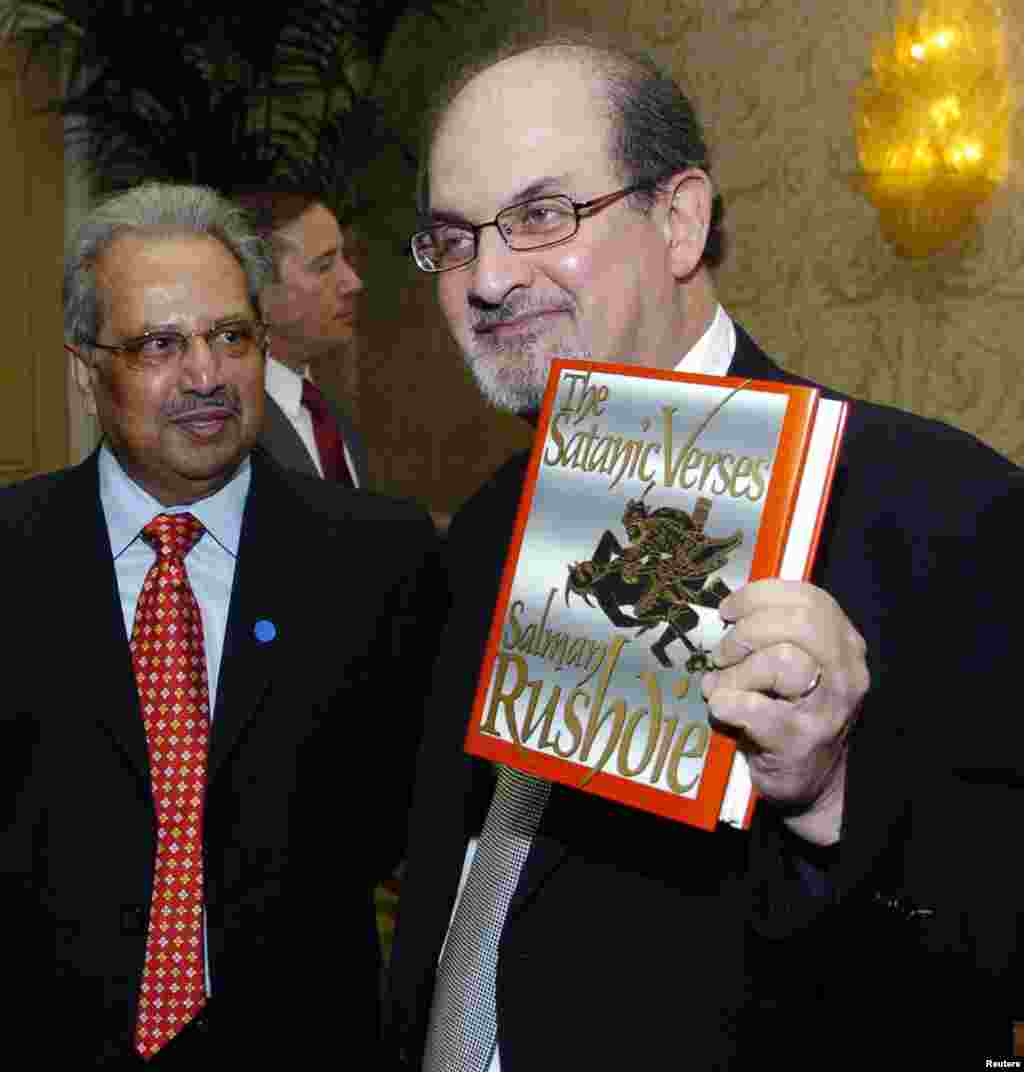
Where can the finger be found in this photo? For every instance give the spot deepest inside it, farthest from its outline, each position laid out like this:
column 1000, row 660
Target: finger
column 821, row 630
column 797, row 627
column 784, row 729
column 757, row 718
column 767, row 592
column 791, row 755
column 784, row 670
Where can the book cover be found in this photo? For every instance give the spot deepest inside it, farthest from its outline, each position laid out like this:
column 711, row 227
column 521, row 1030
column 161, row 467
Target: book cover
column 650, row 496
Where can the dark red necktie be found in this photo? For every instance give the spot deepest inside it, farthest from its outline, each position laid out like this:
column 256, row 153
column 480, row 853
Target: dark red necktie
column 328, row 438
column 169, row 661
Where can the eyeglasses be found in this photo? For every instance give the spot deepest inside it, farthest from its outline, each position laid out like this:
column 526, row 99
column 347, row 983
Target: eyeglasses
column 533, row 224
column 235, row 340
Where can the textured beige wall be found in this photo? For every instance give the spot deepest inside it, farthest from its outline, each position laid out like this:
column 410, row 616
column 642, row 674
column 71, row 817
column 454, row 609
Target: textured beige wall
column 808, row 272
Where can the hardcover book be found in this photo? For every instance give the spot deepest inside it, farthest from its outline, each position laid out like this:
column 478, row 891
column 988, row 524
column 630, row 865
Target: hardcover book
column 650, row 496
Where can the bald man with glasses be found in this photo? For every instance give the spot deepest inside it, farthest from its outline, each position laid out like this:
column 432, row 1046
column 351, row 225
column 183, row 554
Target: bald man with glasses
column 568, row 209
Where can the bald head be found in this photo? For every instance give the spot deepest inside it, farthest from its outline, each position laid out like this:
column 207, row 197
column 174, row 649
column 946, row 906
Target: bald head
column 538, row 101
column 653, row 130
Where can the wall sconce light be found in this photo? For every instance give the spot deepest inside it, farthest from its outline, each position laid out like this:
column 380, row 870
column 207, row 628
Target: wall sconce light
column 932, row 122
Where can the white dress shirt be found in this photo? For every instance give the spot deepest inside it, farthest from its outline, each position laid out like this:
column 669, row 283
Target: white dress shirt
column 210, row 564
column 711, row 355
column 284, row 385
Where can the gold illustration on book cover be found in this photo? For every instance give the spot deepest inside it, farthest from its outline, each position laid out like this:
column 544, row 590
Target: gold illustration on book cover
column 662, row 573
column 569, row 679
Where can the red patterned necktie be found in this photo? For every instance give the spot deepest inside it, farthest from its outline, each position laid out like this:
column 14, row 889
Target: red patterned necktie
column 170, row 670
column 328, row 438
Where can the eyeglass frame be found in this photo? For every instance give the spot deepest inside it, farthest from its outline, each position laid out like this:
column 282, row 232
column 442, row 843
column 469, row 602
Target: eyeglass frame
column 588, row 207
column 132, row 347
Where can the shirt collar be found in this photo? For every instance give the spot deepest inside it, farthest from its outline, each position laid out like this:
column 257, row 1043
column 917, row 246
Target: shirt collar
column 128, row 507
column 284, row 385
column 712, row 353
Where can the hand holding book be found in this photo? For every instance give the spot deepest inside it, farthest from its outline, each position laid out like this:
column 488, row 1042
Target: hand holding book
column 794, row 738
column 651, row 501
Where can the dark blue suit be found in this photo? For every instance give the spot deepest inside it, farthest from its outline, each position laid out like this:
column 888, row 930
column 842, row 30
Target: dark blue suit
column 636, row 942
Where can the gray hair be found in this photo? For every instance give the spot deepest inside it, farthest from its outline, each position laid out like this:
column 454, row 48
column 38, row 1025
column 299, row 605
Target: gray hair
column 161, row 210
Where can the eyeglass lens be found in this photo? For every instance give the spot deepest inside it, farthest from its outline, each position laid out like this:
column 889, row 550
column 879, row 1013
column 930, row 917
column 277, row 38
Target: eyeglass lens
column 234, row 340
column 539, row 222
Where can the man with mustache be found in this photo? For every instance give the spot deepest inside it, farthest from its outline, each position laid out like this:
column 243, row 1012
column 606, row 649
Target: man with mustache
column 186, row 847
column 568, row 209
column 310, row 306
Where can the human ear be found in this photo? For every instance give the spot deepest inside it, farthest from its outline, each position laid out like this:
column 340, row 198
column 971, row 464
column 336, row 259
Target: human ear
column 83, row 374
column 688, row 220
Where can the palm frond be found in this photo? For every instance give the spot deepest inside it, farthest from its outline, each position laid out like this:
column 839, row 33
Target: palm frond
column 183, row 92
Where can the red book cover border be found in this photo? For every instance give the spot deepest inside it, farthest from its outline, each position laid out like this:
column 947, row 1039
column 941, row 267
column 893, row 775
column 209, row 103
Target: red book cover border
column 701, row 811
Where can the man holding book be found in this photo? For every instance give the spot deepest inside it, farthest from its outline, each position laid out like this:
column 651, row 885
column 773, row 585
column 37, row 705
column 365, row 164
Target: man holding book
column 569, row 211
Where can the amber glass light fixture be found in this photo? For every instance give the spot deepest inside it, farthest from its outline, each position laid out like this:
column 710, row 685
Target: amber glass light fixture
column 932, row 122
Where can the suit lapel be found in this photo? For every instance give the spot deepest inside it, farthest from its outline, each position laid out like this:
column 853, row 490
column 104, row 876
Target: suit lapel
column 353, row 442
column 546, row 853
column 87, row 583
column 258, row 598
column 750, row 360
column 282, row 442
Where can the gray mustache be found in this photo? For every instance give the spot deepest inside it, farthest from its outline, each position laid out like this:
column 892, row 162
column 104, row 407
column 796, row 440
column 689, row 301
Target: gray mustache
column 191, row 403
column 487, row 317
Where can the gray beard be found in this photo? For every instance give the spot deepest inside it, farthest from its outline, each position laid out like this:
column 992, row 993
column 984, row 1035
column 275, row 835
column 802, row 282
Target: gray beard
column 516, row 385
column 511, row 396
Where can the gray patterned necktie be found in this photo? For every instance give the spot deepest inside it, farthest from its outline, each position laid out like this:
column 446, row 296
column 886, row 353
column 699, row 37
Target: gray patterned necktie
column 463, row 1020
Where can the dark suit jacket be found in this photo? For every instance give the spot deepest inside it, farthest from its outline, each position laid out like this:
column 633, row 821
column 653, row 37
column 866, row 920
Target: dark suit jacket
column 313, row 740
column 280, row 440
column 636, row 942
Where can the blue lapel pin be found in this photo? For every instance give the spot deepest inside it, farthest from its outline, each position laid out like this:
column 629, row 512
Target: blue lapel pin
column 264, row 631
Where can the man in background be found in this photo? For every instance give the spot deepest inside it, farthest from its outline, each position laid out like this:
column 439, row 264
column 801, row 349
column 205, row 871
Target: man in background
column 568, row 209
column 310, row 306
column 204, row 760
